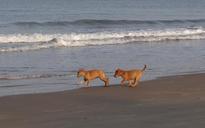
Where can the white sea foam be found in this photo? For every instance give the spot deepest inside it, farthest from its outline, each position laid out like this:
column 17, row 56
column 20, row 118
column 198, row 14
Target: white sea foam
column 26, row 42
column 33, row 76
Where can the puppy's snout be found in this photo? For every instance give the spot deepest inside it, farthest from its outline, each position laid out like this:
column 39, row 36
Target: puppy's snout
column 78, row 75
column 115, row 75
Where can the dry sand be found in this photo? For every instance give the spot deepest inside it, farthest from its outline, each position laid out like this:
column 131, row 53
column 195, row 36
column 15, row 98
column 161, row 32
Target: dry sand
column 171, row 102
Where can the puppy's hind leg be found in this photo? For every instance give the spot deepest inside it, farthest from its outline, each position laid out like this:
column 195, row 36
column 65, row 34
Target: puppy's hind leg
column 105, row 80
column 135, row 83
column 130, row 83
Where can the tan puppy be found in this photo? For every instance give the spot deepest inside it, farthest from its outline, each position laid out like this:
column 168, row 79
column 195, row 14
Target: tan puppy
column 132, row 76
column 93, row 74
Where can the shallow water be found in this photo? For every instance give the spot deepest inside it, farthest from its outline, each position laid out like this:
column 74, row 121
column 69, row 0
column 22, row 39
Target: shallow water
column 55, row 69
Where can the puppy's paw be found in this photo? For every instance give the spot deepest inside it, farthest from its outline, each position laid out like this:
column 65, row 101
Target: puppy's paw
column 81, row 82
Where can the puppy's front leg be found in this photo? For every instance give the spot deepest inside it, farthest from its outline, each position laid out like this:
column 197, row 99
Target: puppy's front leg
column 87, row 83
column 130, row 83
column 122, row 82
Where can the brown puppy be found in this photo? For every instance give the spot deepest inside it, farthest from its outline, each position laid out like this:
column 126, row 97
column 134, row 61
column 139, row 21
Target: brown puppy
column 93, row 74
column 132, row 76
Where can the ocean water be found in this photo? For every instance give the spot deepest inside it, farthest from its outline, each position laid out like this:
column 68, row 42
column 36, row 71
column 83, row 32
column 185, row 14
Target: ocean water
column 44, row 42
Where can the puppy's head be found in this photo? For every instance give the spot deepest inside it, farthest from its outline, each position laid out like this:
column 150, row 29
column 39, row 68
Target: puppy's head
column 81, row 72
column 118, row 72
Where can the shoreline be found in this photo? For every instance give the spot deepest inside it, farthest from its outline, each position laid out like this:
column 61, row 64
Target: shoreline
column 173, row 101
column 146, row 80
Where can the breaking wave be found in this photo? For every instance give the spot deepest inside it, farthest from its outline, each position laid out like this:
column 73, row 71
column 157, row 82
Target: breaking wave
column 27, row 42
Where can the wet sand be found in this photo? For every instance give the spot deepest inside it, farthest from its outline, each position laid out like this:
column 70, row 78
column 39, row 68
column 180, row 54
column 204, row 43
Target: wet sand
column 169, row 102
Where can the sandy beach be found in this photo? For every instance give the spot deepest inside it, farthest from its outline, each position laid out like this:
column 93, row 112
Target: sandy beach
column 169, row 102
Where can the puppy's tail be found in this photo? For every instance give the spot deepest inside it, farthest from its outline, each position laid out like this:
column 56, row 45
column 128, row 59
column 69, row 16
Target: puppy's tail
column 145, row 66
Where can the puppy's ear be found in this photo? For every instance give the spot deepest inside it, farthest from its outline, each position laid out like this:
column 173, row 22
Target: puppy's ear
column 81, row 69
column 118, row 69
